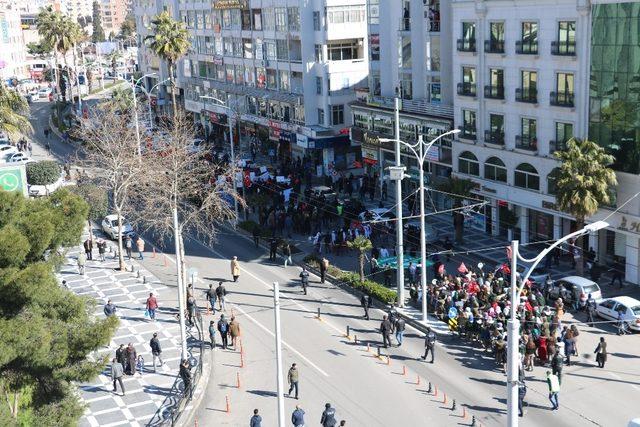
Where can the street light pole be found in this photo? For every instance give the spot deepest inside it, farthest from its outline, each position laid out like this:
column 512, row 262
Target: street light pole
column 181, row 297
column 513, row 330
column 134, row 83
column 280, row 382
column 399, row 230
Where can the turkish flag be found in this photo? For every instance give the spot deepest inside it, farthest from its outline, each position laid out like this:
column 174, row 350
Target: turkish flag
column 463, row 268
column 505, row 269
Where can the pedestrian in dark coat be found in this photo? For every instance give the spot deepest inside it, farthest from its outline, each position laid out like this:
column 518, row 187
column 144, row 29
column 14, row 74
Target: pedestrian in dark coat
column 297, row 417
column 385, row 330
column 156, row 350
column 130, row 355
column 223, row 328
column 185, row 374
column 256, row 420
column 365, row 302
column 120, row 356
column 328, row 418
column 88, row 248
column 601, row 352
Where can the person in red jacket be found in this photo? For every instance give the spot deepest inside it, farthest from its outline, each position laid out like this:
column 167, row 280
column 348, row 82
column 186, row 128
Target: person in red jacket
column 152, row 305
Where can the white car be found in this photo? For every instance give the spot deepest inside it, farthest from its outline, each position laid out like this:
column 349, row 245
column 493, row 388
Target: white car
column 45, row 190
column 110, row 226
column 629, row 307
column 19, row 158
column 44, row 92
column 6, row 151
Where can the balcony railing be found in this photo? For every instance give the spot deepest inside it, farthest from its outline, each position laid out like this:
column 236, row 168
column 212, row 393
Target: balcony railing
column 467, row 89
column 434, row 26
column 494, row 137
column 526, row 142
column 566, row 48
column 467, row 132
column 561, row 99
column 527, row 95
column 494, row 46
column 494, row 92
column 557, row 146
column 466, row 45
column 526, row 47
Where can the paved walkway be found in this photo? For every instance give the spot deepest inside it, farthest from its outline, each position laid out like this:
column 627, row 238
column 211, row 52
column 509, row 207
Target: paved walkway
column 144, row 393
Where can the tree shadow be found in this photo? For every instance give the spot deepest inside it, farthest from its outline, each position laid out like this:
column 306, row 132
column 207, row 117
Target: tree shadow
column 263, row 393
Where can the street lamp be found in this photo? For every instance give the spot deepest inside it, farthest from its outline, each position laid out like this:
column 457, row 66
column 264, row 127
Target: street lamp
column 513, row 331
column 135, row 83
column 421, row 154
column 233, row 158
column 148, row 94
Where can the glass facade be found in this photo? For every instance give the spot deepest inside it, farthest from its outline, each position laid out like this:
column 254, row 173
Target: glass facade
column 614, row 116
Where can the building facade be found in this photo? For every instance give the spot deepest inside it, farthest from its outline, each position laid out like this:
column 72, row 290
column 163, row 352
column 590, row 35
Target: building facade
column 13, row 61
column 113, row 13
column 409, row 45
column 525, row 83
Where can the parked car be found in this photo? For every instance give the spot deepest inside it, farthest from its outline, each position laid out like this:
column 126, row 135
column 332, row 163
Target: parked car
column 44, row 93
column 19, row 157
column 570, row 288
column 629, row 307
column 6, row 151
column 45, row 190
column 321, row 190
column 110, row 227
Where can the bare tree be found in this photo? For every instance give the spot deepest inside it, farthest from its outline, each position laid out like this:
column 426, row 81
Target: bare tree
column 181, row 193
column 110, row 153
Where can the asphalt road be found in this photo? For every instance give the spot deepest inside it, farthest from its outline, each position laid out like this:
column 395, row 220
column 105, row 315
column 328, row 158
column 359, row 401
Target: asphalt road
column 365, row 390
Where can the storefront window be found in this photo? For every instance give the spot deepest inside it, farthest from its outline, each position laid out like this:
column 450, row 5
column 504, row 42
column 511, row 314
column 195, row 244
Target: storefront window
column 540, row 226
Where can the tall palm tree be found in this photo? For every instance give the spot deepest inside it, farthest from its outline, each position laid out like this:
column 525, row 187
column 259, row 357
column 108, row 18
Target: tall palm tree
column 583, row 182
column 14, row 112
column 362, row 245
column 170, row 41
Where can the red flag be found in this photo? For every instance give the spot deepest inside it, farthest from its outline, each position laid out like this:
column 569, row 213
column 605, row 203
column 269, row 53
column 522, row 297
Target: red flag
column 463, row 268
column 505, row 269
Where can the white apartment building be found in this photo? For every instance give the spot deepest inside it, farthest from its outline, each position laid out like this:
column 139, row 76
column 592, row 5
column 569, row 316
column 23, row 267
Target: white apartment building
column 13, row 61
column 409, row 58
column 522, row 73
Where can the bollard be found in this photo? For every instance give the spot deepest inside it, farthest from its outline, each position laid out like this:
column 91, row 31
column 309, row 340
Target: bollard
column 238, row 381
column 144, row 279
column 429, row 389
column 379, row 354
column 368, row 348
column 464, row 412
column 318, row 313
column 228, row 407
column 348, row 332
column 241, row 360
column 418, row 380
column 154, row 253
column 453, row 407
column 355, row 339
column 444, row 402
column 137, row 272
column 473, row 421
column 388, row 360
column 404, row 370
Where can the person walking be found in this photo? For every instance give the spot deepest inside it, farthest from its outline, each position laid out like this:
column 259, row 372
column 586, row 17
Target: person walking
column 82, row 261
column 256, row 420
column 304, row 279
column 234, row 331
column 621, row 324
column 116, row 374
column 554, row 388
column 211, row 297
column 185, row 374
column 556, row 365
column 212, row 334
column 46, row 133
column 221, row 292
column 140, row 247
column 522, row 392
column 286, row 253
column 591, row 310
column 365, row 302
column 47, row 146
column 235, row 269
column 292, row 378
column 156, row 350
column 88, row 248
column 273, row 247
column 385, row 330
column 102, row 248
column 328, row 418
column 110, row 309
column 128, row 245
column 601, row 353
column 130, row 355
column 152, row 305
column 140, row 364
column 191, row 309
column 399, row 328
column 256, row 235
column 297, row 417
column 324, row 266
column 429, row 344
column 223, row 328
column 120, row 356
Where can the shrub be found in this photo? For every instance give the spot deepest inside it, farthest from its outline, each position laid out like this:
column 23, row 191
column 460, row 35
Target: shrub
column 248, row 225
column 43, row 173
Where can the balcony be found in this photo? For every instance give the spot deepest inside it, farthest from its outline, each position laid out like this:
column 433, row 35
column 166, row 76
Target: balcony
column 565, row 48
column 466, row 45
column 467, row 132
column 467, row 89
column 561, row 99
column 405, row 24
column 557, row 146
column 494, row 137
column 434, row 26
column 494, row 46
column 526, row 142
column 527, row 95
column 494, row 92
column 526, row 47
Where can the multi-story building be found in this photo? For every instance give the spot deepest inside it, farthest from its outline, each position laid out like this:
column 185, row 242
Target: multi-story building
column 288, row 69
column 13, row 62
column 113, row 13
column 409, row 45
column 528, row 77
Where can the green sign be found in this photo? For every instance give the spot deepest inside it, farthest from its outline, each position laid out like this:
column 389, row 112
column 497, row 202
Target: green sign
column 13, row 178
column 392, row 261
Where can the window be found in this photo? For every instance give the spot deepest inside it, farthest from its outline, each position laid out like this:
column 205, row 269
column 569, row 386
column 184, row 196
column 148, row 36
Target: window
column 285, row 82
column 342, row 51
column 374, row 83
column 406, row 52
column 468, row 164
column 468, row 42
column 495, row 170
column 257, row 19
column 282, row 50
column 270, row 47
column 230, row 73
column 316, row 20
column 564, row 131
column 293, row 15
column 337, row 114
column 552, row 181
column 529, row 87
column 469, row 124
column 496, row 83
column 528, row 139
column 374, row 11
column 228, row 46
column 318, row 52
column 406, row 85
column 237, row 47
column 468, row 85
column 319, row 85
column 268, row 19
column 272, row 79
column 248, row 48
column 496, row 35
column 566, row 44
column 529, row 38
column 564, row 90
column 246, row 19
column 321, row 116
column 226, row 18
column 495, row 134
column 526, row 176
column 281, row 18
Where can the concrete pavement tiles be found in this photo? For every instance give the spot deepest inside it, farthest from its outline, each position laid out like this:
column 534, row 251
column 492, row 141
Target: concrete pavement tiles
column 144, row 393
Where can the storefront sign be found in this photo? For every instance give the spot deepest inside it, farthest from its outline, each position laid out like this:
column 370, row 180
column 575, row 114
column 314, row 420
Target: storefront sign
column 475, row 220
column 632, row 226
column 230, row 4
column 304, row 141
column 433, row 155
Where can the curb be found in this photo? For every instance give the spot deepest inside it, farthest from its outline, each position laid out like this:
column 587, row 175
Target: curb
column 189, row 412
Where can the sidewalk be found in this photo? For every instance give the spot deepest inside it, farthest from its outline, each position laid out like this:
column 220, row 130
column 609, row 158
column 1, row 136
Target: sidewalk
column 145, row 393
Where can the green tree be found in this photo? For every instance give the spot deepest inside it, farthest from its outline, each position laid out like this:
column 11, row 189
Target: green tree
column 14, row 113
column 97, row 200
column 459, row 189
column 47, row 331
column 584, row 182
column 128, row 27
column 98, row 31
column 44, row 172
column 39, row 49
column 122, row 98
column 169, row 40
column 362, row 245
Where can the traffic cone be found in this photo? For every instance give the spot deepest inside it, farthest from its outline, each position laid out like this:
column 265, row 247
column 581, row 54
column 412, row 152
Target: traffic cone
column 444, row 402
column 238, row 381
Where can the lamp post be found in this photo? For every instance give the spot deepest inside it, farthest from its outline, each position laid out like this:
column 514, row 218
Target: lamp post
column 135, row 83
column 513, row 330
column 421, row 155
column 148, row 94
column 230, row 111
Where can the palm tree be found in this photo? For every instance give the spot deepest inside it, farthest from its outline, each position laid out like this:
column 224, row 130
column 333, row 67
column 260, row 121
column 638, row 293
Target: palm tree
column 583, row 182
column 14, row 112
column 459, row 189
column 122, row 98
column 113, row 58
column 362, row 245
column 170, row 41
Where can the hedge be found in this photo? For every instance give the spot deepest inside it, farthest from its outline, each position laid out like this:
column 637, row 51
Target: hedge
column 44, row 172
